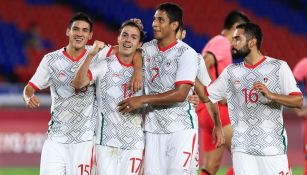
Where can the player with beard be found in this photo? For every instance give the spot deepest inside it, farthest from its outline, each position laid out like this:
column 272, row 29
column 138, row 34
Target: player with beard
column 217, row 54
column 256, row 91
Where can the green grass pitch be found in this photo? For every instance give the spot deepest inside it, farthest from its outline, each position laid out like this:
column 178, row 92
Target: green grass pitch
column 35, row 171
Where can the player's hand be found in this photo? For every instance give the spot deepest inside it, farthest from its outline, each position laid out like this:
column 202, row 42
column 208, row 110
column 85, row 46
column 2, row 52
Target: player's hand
column 194, row 99
column 135, row 83
column 32, row 102
column 138, row 22
column 130, row 104
column 260, row 87
column 301, row 112
column 97, row 46
column 218, row 136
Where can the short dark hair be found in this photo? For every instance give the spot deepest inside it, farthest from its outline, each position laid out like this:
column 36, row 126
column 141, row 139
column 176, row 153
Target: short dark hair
column 80, row 16
column 174, row 13
column 233, row 17
column 252, row 30
column 132, row 23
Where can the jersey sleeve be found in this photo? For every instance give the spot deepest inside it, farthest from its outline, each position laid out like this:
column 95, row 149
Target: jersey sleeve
column 187, row 68
column 202, row 74
column 41, row 78
column 287, row 81
column 97, row 69
column 217, row 90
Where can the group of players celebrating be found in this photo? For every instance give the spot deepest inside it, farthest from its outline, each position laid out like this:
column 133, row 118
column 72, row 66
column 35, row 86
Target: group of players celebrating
column 128, row 109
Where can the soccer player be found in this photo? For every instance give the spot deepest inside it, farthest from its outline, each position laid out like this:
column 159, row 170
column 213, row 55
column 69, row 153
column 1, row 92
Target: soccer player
column 68, row 148
column 217, row 55
column 300, row 74
column 202, row 73
column 202, row 81
column 256, row 91
column 171, row 123
column 120, row 138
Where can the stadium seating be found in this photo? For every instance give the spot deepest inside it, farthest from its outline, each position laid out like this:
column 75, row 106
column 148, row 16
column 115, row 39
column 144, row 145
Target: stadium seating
column 280, row 41
column 52, row 20
column 11, row 49
column 279, row 14
column 284, row 27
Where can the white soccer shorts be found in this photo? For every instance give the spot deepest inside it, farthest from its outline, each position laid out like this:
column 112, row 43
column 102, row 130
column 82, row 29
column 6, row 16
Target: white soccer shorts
column 245, row 164
column 171, row 154
column 65, row 159
column 117, row 161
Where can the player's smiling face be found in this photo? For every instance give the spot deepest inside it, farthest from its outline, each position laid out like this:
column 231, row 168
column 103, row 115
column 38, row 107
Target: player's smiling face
column 129, row 40
column 79, row 34
column 161, row 25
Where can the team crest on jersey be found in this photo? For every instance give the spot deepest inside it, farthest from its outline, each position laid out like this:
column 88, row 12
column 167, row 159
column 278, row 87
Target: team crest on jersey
column 115, row 75
column 237, row 84
column 62, row 77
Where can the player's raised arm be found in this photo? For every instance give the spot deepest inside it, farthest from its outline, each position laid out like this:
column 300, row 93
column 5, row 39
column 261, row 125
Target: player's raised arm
column 82, row 77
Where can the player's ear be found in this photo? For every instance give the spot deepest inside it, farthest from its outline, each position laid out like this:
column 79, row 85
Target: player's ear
column 140, row 44
column 118, row 39
column 174, row 25
column 91, row 35
column 67, row 31
column 184, row 32
column 252, row 43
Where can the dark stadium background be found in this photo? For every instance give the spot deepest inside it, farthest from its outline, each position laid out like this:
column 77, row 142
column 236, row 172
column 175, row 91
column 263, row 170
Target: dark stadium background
column 31, row 28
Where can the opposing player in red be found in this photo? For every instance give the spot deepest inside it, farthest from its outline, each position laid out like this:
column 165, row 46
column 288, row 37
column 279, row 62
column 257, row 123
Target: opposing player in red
column 300, row 74
column 217, row 55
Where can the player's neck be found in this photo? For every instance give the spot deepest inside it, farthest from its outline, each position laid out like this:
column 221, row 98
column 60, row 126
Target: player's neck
column 253, row 58
column 73, row 52
column 165, row 42
column 126, row 59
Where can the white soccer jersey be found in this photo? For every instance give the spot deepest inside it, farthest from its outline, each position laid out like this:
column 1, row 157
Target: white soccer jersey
column 73, row 114
column 258, row 126
column 202, row 73
column 164, row 68
column 114, row 129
